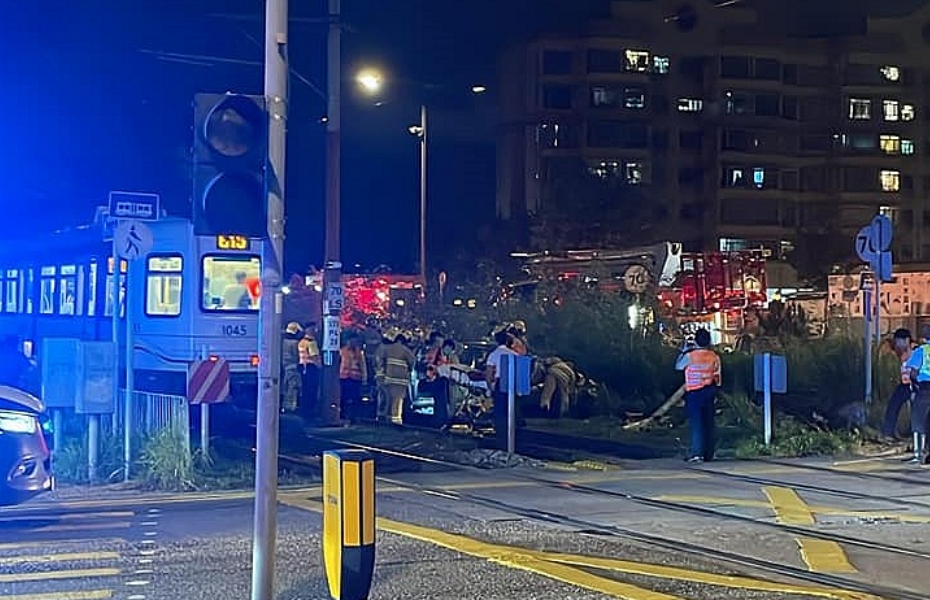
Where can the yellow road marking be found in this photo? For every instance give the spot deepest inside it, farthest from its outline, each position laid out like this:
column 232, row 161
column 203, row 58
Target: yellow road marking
column 512, row 557
column 541, row 562
column 54, row 575
column 817, row 510
column 820, row 556
column 71, row 542
column 788, row 506
column 87, row 595
column 83, row 527
column 680, row 574
column 65, row 557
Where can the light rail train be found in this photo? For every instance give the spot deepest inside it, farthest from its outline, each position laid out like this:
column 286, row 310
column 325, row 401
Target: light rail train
column 192, row 296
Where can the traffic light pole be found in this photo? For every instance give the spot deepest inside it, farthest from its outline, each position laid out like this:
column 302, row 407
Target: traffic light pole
column 329, row 392
column 266, row 455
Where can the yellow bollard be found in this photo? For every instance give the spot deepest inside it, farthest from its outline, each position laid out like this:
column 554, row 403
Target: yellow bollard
column 349, row 523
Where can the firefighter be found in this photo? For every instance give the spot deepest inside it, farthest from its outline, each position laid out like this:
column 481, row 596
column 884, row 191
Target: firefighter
column 290, row 364
column 556, row 376
column 393, row 365
column 310, row 363
column 701, row 366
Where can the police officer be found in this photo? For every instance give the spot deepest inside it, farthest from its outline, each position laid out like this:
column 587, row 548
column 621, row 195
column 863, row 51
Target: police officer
column 702, row 380
column 919, row 366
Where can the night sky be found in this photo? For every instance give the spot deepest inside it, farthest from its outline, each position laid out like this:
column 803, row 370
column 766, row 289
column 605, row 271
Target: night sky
column 88, row 108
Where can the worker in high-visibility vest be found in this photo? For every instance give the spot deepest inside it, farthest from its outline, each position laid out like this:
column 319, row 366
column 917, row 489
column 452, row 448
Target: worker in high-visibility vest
column 353, row 372
column 919, row 366
column 702, row 380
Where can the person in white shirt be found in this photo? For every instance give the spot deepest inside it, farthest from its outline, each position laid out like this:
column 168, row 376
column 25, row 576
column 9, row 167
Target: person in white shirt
column 493, row 368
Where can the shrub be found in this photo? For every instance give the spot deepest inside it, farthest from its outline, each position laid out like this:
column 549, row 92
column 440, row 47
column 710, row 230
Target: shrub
column 69, row 462
column 166, row 461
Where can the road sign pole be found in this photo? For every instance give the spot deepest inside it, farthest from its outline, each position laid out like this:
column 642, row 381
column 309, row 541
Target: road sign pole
column 878, row 303
column 130, row 380
column 266, row 455
column 867, row 344
column 204, row 418
column 114, row 319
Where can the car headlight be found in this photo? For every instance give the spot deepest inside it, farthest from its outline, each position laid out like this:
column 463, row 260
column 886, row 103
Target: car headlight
column 14, row 422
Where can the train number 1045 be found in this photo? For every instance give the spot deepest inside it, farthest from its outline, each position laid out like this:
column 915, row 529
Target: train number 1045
column 235, row 330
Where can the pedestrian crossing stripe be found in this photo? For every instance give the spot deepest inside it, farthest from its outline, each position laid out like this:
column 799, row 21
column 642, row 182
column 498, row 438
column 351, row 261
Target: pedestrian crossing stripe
column 66, row 557
column 82, row 595
column 57, row 575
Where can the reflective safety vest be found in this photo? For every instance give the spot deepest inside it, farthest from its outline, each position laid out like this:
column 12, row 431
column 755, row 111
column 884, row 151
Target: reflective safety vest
column 703, row 369
column 308, row 351
column 352, row 364
column 923, row 375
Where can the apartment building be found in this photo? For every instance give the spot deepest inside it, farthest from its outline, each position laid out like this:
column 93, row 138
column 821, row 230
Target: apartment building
column 731, row 133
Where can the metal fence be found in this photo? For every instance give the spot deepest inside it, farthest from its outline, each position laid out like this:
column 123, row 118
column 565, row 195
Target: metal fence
column 152, row 413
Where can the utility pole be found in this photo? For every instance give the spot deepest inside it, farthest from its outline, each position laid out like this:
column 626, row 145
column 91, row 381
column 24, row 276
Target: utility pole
column 266, row 455
column 329, row 392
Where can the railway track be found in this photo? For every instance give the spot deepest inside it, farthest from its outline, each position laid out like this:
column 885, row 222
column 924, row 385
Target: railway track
column 389, row 460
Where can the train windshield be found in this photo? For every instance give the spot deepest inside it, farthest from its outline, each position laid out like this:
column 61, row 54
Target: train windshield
column 231, row 282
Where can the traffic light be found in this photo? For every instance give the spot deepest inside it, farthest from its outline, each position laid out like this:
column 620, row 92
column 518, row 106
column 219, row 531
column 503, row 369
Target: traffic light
column 230, row 154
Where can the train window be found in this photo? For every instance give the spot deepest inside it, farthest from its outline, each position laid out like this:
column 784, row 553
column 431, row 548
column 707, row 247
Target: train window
column 92, row 288
column 11, row 291
column 67, row 290
column 230, row 282
column 29, row 288
column 47, row 290
column 163, row 286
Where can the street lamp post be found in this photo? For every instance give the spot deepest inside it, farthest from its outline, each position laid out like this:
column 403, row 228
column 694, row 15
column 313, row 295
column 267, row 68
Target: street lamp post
column 421, row 131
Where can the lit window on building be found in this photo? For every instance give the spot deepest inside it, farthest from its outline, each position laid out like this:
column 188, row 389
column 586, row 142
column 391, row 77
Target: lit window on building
column 636, row 61
column 890, row 144
column 603, row 96
column 860, row 109
column 908, row 112
column 888, row 211
column 690, row 105
column 605, row 169
column 907, row 146
column 634, row 173
column 738, row 103
column 891, row 73
column 551, row 134
column 732, row 244
column 890, row 180
column 661, row 64
column 891, row 110
column 634, row 98
column 758, row 177
column 735, row 177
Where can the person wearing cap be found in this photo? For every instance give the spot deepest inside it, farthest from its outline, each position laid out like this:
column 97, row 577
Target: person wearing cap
column 701, row 366
column 919, row 366
column 906, row 389
column 290, row 365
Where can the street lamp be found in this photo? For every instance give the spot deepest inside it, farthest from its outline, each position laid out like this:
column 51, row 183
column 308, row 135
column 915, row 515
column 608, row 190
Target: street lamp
column 420, row 131
column 371, row 83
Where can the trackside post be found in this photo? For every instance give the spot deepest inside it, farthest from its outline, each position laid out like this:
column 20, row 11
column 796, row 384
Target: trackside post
column 349, row 523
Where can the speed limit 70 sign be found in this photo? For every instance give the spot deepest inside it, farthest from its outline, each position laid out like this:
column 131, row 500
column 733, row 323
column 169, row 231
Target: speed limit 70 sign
column 335, row 297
